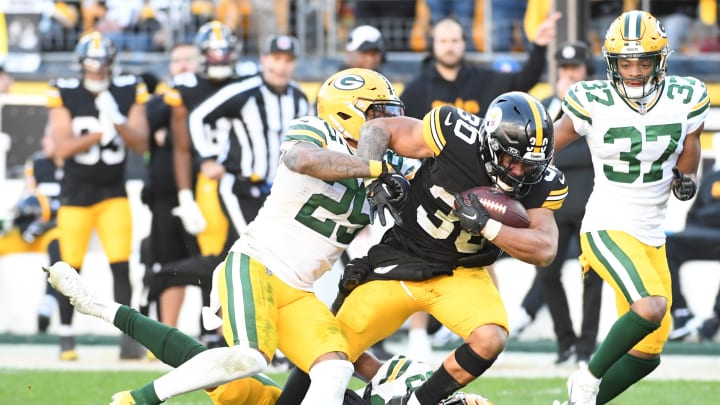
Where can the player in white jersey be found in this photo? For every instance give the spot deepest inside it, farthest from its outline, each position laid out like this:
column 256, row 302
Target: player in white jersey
column 643, row 129
column 264, row 286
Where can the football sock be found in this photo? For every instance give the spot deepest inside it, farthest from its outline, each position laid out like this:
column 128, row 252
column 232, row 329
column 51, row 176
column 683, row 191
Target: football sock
column 146, row 395
column 437, row 387
column 168, row 344
column 328, row 381
column 121, row 282
column 295, row 388
column 627, row 331
column 210, row 368
column 66, row 309
column 622, row 374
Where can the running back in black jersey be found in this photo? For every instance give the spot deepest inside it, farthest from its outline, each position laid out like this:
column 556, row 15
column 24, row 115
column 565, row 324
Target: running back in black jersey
column 99, row 166
column 430, row 232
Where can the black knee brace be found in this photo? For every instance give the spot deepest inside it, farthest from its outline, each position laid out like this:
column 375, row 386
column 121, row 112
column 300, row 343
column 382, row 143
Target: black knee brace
column 471, row 361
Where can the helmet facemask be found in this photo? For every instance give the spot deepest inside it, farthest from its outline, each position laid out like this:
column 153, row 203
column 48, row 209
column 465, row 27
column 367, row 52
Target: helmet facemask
column 636, row 37
column 98, row 67
column 501, row 168
column 517, row 142
column 651, row 82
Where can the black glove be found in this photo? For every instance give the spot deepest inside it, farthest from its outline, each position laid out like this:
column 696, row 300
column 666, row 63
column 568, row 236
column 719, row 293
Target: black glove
column 473, row 217
column 683, row 186
column 355, row 273
column 351, row 398
column 389, row 191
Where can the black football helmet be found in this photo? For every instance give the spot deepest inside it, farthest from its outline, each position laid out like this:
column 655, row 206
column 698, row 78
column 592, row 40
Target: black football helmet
column 518, row 142
column 216, row 44
column 95, row 53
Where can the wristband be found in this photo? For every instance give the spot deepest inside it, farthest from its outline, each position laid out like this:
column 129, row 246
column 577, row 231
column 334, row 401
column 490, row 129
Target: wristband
column 491, row 230
column 378, row 167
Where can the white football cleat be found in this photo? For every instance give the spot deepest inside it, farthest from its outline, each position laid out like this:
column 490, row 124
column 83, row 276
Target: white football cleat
column 583, row 387
column 556, row 402
column 68, row 282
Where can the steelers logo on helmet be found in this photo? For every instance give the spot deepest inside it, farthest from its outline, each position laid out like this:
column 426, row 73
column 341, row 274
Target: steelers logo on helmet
column 95, row 54
column 353, row 96
column 636, row 36
column 217, row 50
column 518, row 142
column 492, row 119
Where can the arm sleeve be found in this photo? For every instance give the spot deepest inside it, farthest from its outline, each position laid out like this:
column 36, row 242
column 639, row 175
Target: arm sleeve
column 531, row 71
column 412, row 97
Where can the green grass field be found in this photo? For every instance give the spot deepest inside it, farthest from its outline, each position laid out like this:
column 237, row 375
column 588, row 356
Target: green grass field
column 23, row 387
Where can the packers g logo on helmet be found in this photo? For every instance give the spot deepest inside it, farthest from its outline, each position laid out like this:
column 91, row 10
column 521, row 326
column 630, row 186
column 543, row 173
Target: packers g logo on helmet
column 636, row 35
column 352, row 96
column 349, row 82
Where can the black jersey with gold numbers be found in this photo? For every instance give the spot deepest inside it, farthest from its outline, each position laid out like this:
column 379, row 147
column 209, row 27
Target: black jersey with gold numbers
column 98, row 172
column 430, row 232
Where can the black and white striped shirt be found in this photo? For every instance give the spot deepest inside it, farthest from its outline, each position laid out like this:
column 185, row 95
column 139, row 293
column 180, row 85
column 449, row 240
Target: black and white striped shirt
column 250, row 120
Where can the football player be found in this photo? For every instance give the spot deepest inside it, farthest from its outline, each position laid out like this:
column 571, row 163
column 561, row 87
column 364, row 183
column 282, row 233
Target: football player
column 433, row 259
column 316, row 207
column 32, row 223
column 168, row 241
column 643, row 129
column 93, row 120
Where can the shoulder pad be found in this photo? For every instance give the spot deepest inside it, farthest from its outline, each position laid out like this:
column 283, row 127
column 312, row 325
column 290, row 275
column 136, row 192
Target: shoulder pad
column 311, row 129
column 187, row 79
column 66, row 82
column 124, row 80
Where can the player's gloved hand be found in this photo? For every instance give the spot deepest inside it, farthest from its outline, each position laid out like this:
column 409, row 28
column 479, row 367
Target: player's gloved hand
column 189, row 213
column 35, row 229
column 473, row 217
column 387, row 192
column 106, row 104
column 683, row 186
column 109, row 132
column 355, row 273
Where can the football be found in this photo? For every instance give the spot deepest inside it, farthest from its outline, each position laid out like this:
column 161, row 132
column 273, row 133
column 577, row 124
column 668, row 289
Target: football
column 499, row 205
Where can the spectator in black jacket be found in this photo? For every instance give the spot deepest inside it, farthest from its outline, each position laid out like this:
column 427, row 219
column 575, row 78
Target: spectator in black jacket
column 447, row 78
column 700, row 240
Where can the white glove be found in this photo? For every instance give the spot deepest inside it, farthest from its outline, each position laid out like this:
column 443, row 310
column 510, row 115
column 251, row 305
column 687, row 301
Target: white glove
column 106, row 104
column 189, row 213
column 109, row 132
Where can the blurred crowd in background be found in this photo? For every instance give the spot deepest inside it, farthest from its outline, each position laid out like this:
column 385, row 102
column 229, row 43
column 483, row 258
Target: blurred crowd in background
column 323, row 26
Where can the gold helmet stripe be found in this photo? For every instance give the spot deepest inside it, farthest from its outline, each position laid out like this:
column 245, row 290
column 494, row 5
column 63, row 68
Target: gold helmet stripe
column 537, row 120
column 96, row 41
column 217, row 31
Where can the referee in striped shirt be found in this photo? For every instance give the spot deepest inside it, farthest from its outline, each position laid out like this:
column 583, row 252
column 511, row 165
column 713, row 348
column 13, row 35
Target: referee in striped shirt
column 255, row 112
